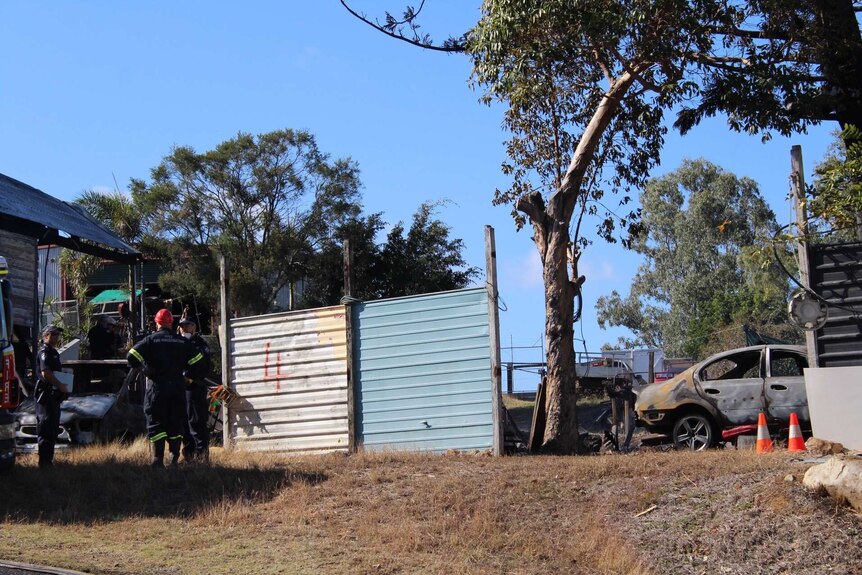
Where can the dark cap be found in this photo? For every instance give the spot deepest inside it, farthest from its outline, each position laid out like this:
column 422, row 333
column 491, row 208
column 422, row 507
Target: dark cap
column 51, row 329
column 187, row 321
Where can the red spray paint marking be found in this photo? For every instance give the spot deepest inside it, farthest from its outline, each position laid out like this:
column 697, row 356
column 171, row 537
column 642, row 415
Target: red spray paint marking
column 278, row 375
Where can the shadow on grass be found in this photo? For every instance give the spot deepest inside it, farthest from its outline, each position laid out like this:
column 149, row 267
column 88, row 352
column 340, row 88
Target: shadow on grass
column 90, row 492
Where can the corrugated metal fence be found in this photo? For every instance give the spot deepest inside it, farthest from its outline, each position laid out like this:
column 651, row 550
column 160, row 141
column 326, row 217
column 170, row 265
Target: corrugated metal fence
column 290, row 373
column 422, row 370
column 836, row 275
column 423, row 373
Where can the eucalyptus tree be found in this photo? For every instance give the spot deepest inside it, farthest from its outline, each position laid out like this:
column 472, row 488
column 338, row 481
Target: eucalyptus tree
column 700, row 228
column 265, row 201
column 587, row 84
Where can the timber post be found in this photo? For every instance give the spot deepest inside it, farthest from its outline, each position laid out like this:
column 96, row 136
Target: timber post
column 224, row 340
column 797, row 178
column 348, row 327
column 494, row 336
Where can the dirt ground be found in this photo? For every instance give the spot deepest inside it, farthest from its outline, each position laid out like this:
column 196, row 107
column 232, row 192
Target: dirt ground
column 760, row 520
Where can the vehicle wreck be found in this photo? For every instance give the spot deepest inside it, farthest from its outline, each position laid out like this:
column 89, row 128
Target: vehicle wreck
column 105, row 405
column 727, row 390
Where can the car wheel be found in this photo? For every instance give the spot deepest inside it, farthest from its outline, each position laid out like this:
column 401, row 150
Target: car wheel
column 693, row 431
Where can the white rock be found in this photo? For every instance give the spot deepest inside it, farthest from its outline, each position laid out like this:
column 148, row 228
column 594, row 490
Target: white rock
column 841, row 477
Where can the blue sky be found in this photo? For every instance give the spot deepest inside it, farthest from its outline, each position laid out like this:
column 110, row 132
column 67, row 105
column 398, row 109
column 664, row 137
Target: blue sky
column 96, row 91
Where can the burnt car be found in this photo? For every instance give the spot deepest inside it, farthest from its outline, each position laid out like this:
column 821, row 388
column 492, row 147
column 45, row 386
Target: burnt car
column 106, row 404
column 727, row 390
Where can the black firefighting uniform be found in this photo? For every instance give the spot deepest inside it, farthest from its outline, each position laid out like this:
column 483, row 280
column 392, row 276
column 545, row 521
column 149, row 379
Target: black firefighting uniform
column 196, row 436
column 166, row 358
column 48, row 399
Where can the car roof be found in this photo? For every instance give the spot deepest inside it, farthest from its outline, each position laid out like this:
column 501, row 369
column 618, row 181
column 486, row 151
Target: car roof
column 776, row 346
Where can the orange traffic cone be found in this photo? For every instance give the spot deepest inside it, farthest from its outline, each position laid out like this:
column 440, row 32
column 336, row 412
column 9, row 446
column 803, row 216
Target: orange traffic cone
column 764, row 442
column 794, row 438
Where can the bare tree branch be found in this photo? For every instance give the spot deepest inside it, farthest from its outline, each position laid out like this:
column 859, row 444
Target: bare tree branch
column 393, row 29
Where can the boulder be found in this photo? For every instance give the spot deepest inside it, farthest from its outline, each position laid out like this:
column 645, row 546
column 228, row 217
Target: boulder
column 821, row 447
column 840, row 477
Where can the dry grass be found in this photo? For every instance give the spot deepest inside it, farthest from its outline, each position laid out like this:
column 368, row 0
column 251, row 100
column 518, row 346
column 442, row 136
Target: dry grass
column 102, row 510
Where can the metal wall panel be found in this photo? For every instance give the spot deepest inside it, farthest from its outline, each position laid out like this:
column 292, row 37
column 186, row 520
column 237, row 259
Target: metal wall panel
column 290, row 373
column 20, row 254
column 423, row 373
column 836, row 275
column 50, row 281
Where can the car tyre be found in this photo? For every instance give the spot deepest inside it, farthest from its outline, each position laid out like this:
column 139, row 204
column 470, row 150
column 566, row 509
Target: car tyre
column 694, row 431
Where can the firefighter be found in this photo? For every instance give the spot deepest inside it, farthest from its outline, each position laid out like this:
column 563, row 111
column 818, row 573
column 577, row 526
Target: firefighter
column 196, row 436
column 167, row 359
column 49, row 394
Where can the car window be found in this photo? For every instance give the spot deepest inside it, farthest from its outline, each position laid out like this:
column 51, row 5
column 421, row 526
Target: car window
column 742, row 365
column 786, row 363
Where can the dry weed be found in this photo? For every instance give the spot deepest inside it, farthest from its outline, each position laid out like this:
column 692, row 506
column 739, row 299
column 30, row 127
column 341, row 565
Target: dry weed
column 401, row 513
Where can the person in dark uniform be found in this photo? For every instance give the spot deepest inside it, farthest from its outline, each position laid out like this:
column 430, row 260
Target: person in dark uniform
column 167, row 359
column 49, row 394
column 102, row 339
column 196, row 436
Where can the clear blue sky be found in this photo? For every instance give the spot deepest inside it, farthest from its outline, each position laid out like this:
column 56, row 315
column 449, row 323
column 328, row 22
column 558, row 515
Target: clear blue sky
column 93, row 90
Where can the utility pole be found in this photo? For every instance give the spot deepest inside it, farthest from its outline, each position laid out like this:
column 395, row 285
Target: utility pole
column 797, row 178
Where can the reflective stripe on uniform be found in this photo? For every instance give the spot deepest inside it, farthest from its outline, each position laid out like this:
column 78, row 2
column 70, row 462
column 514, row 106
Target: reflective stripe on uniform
column 158, row 437
column 175, row 437
column 136, row 354
column 196, row 359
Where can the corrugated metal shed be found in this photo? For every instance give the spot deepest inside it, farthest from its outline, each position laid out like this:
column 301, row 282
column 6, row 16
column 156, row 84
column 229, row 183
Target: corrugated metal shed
column 290, row 372
column 836, row 275
column 20, row 253
column 423, row 373
column 50, row 278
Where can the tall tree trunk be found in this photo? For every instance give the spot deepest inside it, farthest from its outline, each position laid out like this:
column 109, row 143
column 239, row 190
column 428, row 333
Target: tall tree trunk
column 552, row 239
column 561, row 426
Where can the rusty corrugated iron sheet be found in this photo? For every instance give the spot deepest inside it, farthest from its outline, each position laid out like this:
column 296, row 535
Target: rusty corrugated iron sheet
column 290, row 373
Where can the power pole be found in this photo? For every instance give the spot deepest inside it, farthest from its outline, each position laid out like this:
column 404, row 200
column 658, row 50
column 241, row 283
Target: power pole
column 797, row 178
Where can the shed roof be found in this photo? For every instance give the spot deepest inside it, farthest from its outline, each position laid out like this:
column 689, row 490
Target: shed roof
column 31, row 212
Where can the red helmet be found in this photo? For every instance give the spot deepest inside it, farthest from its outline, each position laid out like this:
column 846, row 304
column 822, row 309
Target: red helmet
column 164, row 317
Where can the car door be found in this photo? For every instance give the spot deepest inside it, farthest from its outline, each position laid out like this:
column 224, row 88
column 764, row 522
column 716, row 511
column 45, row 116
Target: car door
column 734, row 384
column 785, row 385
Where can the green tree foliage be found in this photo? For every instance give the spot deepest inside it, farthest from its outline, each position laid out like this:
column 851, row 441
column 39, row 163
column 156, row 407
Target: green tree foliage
column 702, row 271
column 424, row 260
column 586, row 84
column 325, row 280
column 265, row 201
column 835, row 199
column 118, row 211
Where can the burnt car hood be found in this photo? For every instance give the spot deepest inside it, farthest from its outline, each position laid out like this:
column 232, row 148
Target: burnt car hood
column 667, row 395
column 93, row 406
